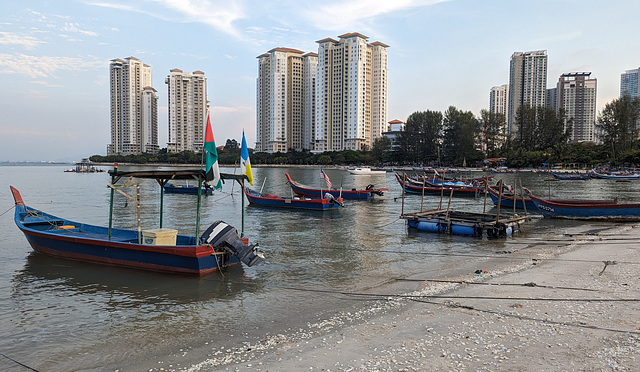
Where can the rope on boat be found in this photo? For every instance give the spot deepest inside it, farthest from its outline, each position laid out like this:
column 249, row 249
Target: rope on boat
column 16, row 362
column 3, row 213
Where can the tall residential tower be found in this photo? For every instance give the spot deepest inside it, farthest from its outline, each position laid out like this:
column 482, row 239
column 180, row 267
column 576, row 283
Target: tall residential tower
column 576, row 94
column 187, row 110
column 629, row 83
column 351, row 93
column 134, row 112
column 527, row 83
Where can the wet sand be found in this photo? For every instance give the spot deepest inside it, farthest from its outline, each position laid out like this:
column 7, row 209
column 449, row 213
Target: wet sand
column 558, row 308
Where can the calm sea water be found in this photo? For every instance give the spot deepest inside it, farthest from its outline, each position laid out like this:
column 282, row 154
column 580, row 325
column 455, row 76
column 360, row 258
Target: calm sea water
column 60, row 315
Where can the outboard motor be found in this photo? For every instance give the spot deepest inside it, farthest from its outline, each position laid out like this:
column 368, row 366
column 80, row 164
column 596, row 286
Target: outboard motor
column 222, row 235
column 332, row 199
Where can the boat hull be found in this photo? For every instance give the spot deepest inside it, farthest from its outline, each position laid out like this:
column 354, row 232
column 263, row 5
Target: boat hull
column 508, row 201
column 61, row 238
column 273, row 201
column 354, row 194
column 588, row 211
column 411, row 188
column 192, row 190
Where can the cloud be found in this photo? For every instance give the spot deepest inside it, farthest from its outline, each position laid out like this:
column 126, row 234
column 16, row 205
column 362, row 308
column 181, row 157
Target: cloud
column 43, row 66
column 218, row 14
column 27, row 42
column 74, row 27
column 47, row 84
column 336, row 15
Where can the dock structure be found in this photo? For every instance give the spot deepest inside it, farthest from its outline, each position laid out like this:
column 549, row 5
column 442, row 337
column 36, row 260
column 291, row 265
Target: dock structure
column 453, row 222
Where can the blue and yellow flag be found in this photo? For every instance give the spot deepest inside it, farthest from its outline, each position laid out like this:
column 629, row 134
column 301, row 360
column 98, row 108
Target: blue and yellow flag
column 245, row 164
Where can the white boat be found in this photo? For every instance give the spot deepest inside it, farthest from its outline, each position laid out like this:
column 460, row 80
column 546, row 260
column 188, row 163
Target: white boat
column 366, row 171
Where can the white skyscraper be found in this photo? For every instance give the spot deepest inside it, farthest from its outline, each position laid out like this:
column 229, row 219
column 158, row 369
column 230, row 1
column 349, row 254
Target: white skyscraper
column 527, row 83
column 499, row 100
column 285, row 100
column 128, row 80
column 576, row 94
column 351, row 93
column 187, row 110
column 629, row 83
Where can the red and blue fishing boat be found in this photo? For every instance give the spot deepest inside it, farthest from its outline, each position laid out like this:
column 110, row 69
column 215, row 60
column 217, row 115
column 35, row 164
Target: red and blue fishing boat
column 508, row 199
column 587, row 209
column 413, row 187
column 354, row 194
column 327, row 203
column 159, row 249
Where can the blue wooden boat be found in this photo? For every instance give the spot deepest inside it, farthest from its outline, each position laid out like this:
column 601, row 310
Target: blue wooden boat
column 158, row 250
column 354, row 194
column 327, row 203
column 570, row 176
column 615, row 176
column 587, row 209
column 507, row 200
column 186, row 189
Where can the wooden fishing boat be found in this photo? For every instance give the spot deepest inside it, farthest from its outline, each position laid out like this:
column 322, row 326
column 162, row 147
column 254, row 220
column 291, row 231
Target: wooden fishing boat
column 570, row 176
column 507, row 199
column 159, row 249
column 327, row 203
column 615, row 176
column 587, row 209
column 414, row 188
column 186, row 189
column 354, row 194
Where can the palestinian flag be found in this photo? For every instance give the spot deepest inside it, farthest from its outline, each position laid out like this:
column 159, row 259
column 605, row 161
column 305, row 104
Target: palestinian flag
column 211, row 155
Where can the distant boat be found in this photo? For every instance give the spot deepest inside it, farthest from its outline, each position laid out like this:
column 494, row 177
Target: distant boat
column 366, row 171
column 587, row 209
column 570, row 176
column 186, row 189
column 159, row 249
column 355, row 194
column 615, row 176
column 328, row 202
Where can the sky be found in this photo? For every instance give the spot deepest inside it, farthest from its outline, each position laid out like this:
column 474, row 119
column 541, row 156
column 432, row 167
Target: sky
column 55, row 55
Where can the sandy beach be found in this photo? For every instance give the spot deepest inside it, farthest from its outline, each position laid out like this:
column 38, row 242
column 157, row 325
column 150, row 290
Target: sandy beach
column 570, row 303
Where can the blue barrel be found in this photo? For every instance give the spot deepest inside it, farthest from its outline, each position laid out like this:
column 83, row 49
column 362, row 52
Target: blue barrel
column 428, row 226
column 462, row 230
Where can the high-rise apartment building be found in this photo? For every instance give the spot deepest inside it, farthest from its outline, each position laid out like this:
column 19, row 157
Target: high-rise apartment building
column 629, row 83
column 330, row 101
column 351, row 93
column 149, row 122
column 187, row 110
column 285, row 100
column 499, row 100
column 133, row 108
column 576, row 94
column 527, row 83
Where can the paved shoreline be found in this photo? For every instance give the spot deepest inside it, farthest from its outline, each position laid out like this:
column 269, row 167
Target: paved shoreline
column 567, row 311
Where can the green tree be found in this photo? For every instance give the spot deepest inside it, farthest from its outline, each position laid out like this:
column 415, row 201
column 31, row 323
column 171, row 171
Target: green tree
column 461, row 134
column 421, row 137
column 619, row 124
column 380, row 146
column 493, row 129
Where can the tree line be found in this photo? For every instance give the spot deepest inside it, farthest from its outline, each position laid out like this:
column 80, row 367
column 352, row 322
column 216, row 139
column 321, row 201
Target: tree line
column 457, row 138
